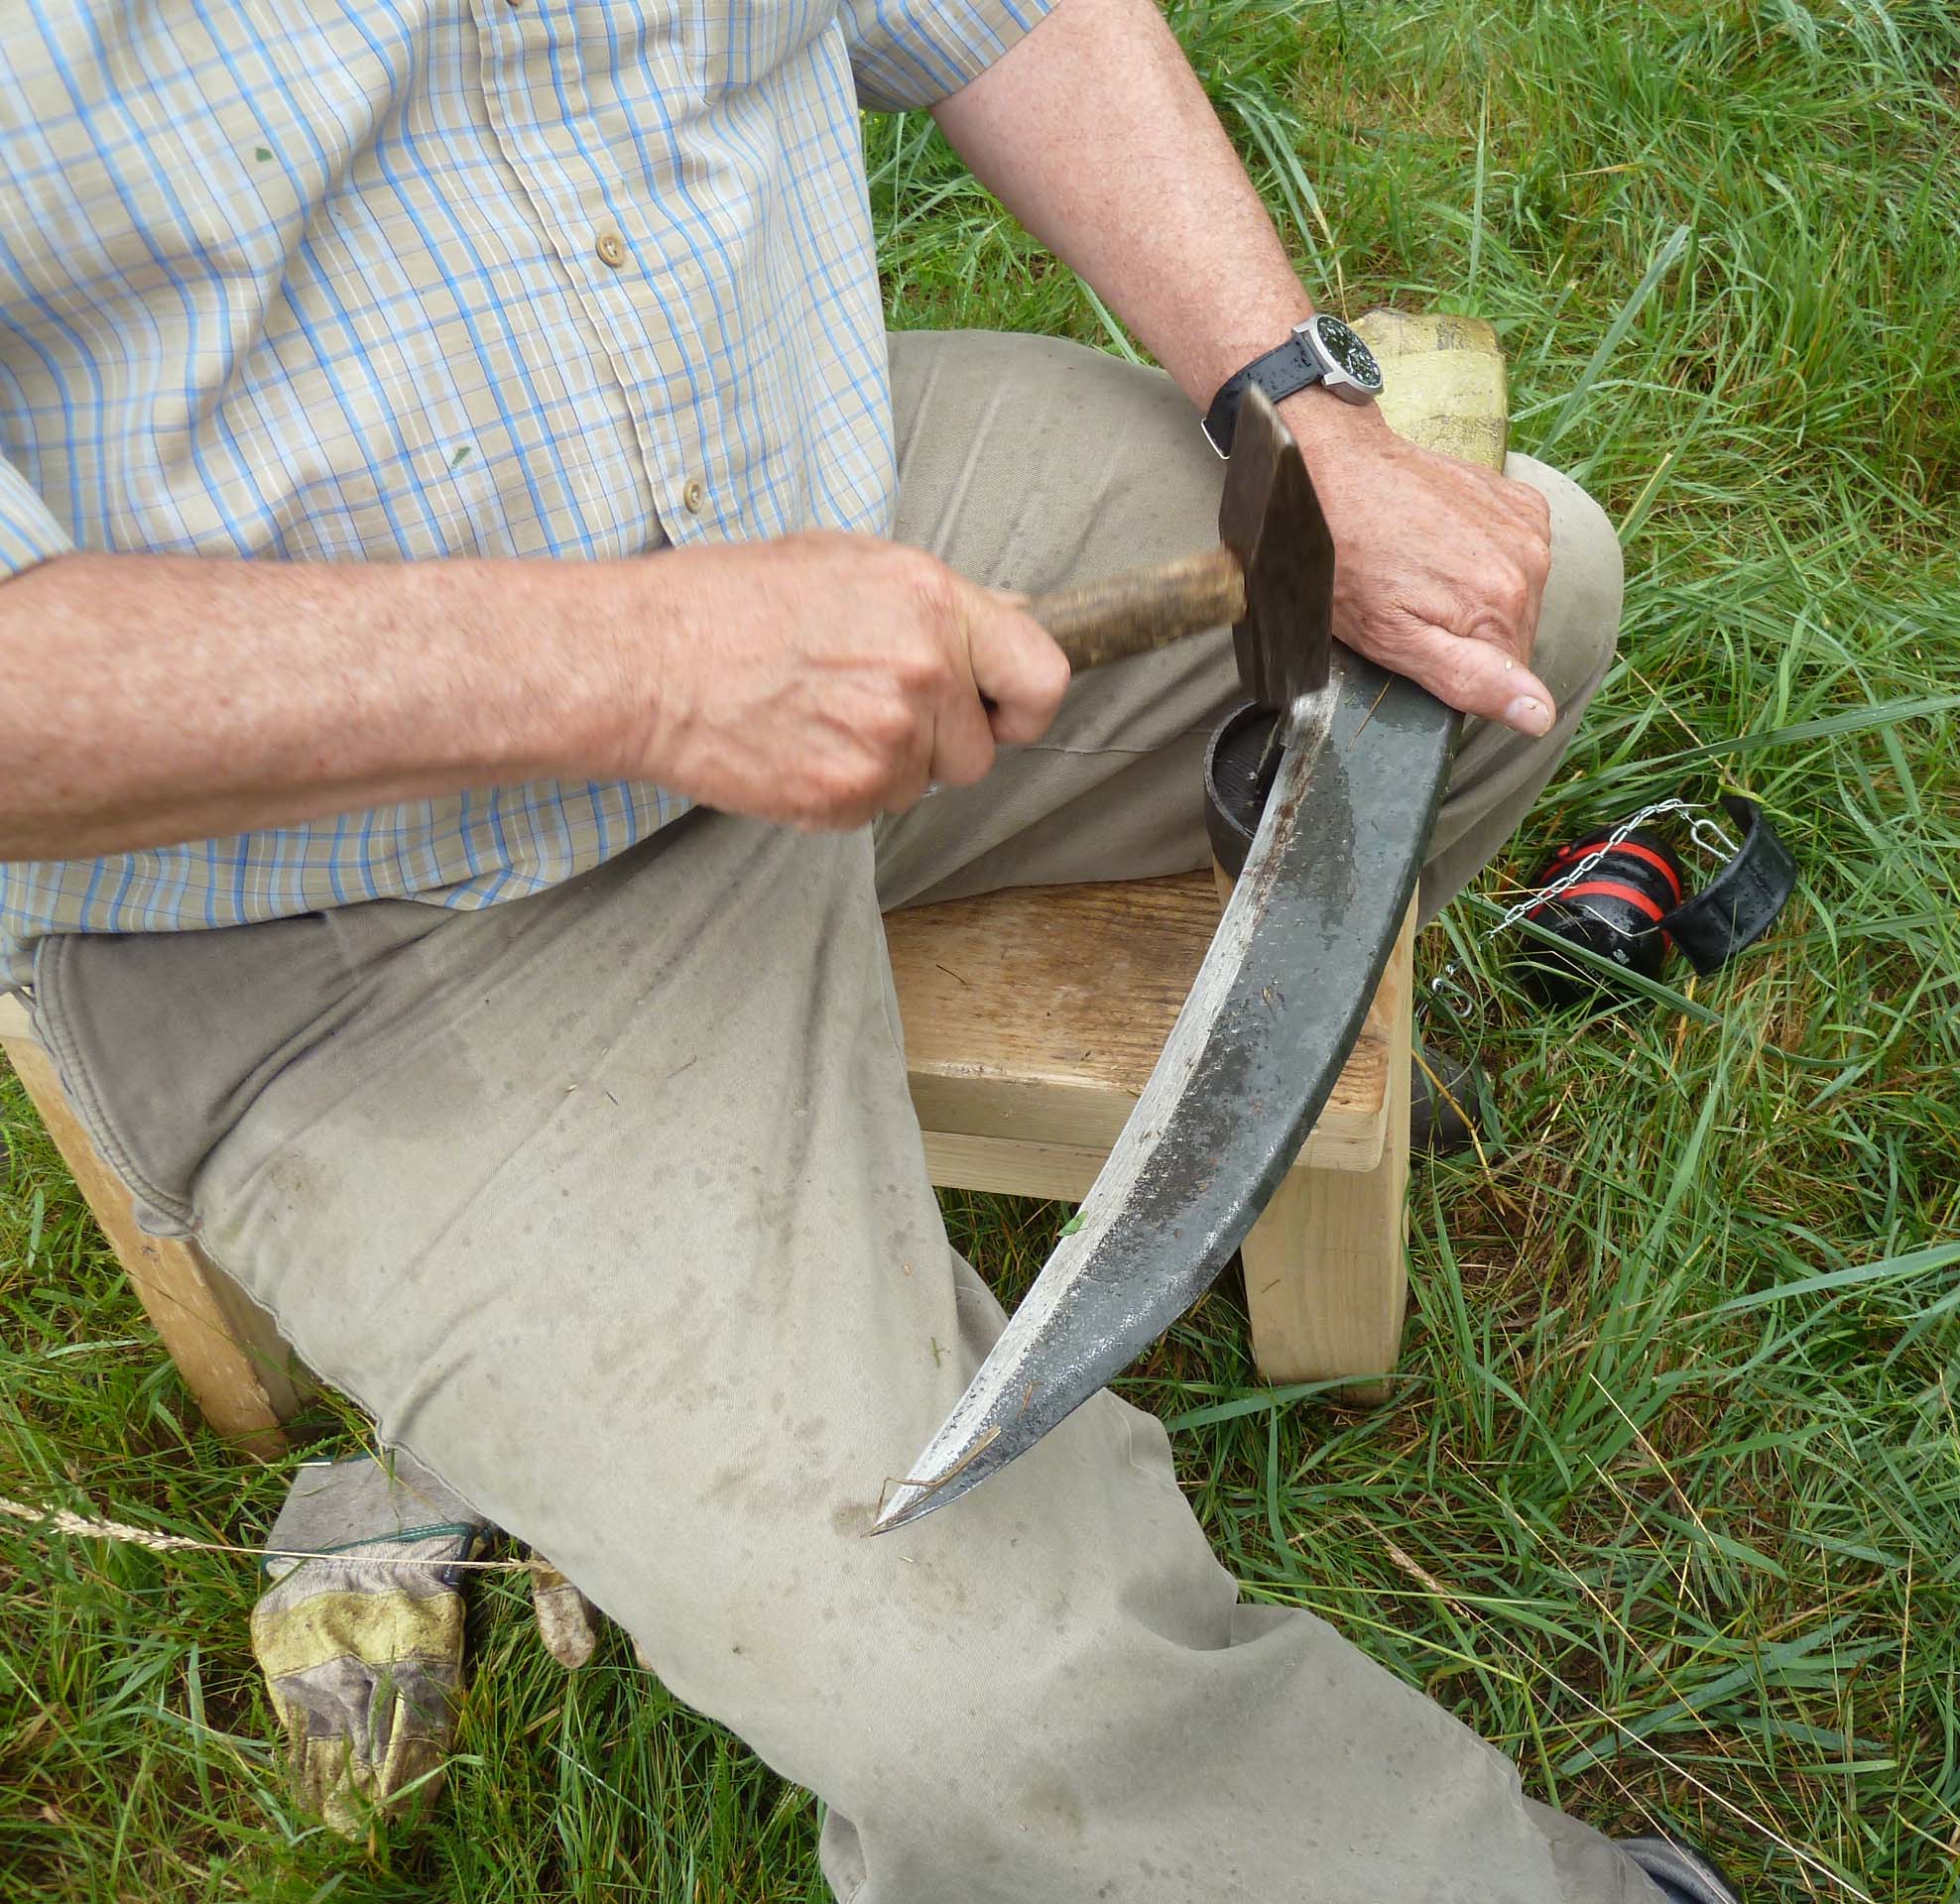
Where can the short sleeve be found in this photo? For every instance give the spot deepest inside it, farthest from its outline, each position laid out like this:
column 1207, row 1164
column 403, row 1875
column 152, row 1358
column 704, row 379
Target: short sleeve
column 29, row 533
column 911, row 54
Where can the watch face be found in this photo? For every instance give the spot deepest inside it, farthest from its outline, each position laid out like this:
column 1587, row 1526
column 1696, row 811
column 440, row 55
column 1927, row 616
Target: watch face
column 1347, row 350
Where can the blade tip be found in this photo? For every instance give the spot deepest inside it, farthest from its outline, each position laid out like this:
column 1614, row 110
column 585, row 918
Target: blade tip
column 904, row 1506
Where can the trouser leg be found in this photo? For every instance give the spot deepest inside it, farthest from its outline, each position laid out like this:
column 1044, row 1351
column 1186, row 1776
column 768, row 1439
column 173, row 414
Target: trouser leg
column 610, row 1205
column 1028, row 463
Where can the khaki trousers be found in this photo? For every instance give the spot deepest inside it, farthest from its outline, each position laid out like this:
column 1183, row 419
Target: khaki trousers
column 611, row 1206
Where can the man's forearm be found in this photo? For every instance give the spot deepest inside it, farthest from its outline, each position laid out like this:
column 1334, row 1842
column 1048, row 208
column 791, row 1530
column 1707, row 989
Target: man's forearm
column 147, row 699
column 1095, row 133
column 818, row 679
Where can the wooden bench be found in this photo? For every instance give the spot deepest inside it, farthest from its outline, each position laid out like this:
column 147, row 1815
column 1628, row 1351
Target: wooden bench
column 1032, row 1020
column 1033, row 1017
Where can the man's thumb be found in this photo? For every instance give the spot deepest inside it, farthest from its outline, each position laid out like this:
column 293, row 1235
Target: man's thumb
column 1478, row 677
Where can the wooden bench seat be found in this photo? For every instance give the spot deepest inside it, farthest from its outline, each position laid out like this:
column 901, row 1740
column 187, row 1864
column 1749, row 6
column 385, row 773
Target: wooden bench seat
column 1032, row 1018
column 1032, row 1021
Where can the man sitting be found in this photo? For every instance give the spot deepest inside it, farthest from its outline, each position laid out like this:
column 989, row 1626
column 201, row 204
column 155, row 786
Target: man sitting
column 492, row 612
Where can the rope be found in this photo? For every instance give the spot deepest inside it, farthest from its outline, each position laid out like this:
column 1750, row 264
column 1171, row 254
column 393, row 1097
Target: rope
column 59, row 1520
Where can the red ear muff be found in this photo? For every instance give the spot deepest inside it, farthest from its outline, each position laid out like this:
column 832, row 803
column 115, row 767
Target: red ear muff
column 1614, row 908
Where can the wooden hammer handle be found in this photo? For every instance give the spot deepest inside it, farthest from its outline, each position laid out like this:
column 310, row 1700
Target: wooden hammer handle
column 1147, row 608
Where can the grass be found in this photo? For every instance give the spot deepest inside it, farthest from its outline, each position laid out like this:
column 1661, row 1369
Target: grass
column 1668, row 1498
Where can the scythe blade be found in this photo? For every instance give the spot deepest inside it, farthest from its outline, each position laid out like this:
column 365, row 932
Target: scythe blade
column 1272, row 1014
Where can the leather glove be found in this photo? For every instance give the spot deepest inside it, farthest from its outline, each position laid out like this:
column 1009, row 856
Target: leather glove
column 567, row 1623
column 363, row 1654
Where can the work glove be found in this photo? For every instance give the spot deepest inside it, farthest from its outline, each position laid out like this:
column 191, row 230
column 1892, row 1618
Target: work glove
column 567, row 1623
column 362, row 1647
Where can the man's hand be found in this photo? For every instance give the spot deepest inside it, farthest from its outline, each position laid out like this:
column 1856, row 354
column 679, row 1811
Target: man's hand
column 1094, row 132
column 1440, row 565
column 820, row 680
column 825, row 678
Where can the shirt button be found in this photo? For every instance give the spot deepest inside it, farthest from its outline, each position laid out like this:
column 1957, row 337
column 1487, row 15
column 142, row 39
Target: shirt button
column 611, row 248
column 694, row 496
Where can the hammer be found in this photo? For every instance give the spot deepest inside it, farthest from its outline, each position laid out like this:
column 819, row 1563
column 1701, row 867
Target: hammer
column 1271, row 578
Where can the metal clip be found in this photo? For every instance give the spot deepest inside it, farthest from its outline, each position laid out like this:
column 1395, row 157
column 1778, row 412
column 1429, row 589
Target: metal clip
column 1711, row 839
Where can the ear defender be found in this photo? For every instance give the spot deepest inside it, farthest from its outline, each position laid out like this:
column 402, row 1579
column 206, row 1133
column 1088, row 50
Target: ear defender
column 1614, row 908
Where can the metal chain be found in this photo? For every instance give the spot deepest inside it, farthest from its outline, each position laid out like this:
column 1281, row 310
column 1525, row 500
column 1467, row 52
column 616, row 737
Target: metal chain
column 1455, row 998
column 1704, row 832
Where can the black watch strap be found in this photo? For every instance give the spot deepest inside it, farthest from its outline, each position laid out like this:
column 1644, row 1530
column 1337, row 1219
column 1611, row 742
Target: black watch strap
column 1279, row 373
column 1735, row 906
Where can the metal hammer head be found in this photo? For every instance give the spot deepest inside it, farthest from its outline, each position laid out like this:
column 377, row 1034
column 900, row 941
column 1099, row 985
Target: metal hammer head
column 1270, row 519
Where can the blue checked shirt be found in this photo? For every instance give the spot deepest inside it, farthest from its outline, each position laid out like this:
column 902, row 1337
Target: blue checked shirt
column 388, row 280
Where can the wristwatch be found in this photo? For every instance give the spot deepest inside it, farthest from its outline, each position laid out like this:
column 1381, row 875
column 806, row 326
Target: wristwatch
column 1324, row 350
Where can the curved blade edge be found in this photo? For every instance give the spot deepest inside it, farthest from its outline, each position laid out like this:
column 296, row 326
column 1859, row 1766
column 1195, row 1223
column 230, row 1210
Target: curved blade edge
column 1247, row 1068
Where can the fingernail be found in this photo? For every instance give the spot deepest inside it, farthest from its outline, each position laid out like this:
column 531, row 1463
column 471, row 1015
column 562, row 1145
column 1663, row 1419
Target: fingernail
column 1527, row 716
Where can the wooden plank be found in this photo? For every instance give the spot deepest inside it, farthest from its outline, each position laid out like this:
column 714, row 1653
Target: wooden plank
column 955, row 1161
column 1326, row 1265
column 234, row 1367
column 1035, row 1014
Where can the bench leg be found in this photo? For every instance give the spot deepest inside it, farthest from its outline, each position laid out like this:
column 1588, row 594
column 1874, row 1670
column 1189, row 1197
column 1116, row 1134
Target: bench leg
column 1326, row 1271
column 237, row 1369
